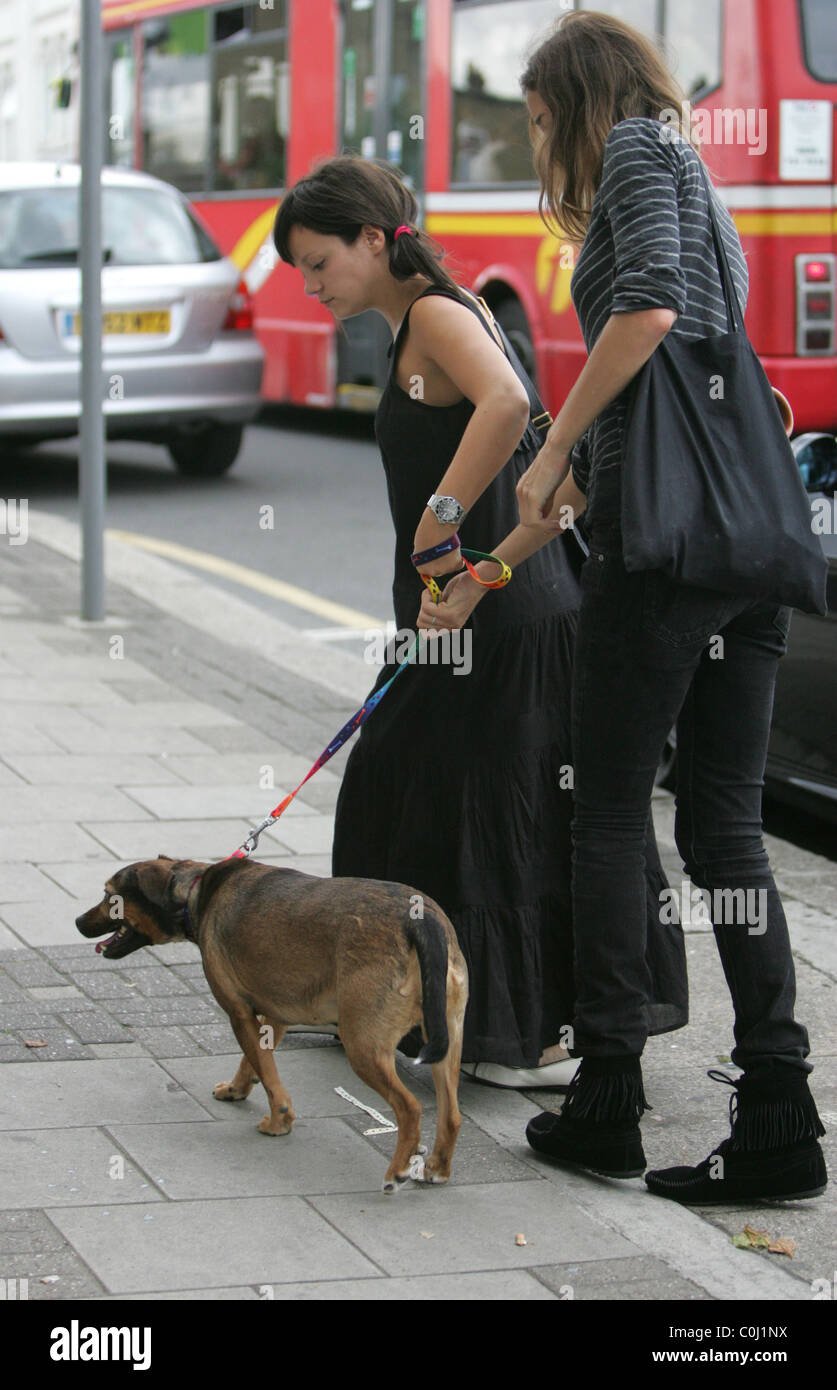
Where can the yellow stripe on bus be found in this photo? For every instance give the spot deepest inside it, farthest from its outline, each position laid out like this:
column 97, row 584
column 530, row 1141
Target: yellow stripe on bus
column 247, row 246
column 786, row 223
column 131, row 7
column 529, row 224
column 490, row 224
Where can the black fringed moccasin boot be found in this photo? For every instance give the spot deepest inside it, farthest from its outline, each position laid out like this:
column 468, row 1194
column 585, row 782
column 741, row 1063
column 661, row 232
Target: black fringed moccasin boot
column 598, row 1128
column 772, row 1153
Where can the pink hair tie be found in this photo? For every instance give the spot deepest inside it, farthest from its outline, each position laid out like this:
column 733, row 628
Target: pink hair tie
column 403, row 228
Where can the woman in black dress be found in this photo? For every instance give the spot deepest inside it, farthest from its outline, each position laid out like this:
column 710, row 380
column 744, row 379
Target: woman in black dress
column 460, row 784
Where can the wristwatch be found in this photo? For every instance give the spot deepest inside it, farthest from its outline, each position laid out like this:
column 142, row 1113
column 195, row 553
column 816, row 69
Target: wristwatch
column 447, row 511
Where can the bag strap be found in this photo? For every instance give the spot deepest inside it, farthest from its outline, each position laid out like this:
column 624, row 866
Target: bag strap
column 539, row 418
column 735, row 314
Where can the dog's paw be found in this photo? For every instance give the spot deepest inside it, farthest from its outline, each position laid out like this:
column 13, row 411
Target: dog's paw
column 417, row 1165
column 226, row 1091
column 283, row 1126
column 395, row 1183
column 433, row 1175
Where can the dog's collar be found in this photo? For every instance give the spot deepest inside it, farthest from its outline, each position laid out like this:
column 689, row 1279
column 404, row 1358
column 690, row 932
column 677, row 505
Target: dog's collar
column 184, row 916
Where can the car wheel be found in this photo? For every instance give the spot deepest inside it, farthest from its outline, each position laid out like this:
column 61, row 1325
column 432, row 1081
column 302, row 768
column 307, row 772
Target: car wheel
column 207, row 452
column 667, row 770
column 511, row 316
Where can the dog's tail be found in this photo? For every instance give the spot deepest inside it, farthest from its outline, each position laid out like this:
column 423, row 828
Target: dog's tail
column 427, row 935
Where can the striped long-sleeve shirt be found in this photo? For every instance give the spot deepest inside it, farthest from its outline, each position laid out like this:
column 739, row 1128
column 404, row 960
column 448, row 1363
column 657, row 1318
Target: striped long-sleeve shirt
column 649, row 245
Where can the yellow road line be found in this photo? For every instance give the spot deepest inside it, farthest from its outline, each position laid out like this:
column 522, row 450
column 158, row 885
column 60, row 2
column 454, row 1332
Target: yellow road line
column 252, row 579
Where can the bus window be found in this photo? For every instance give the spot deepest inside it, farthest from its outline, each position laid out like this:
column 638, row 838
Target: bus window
column 489, row 43
column 693, row 30
column 251, row 77
column 359, row 87
column 642, row 14
column 405, row 142
column 175, row 99
column 819, row 35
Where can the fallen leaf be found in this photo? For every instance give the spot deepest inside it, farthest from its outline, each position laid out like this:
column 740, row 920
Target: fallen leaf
column 722, row 1057
column 758, row 1239
column 34, row 1042
column 428, row 1235
column 742, row 1241
column 783, row 1246
column 520, row 1239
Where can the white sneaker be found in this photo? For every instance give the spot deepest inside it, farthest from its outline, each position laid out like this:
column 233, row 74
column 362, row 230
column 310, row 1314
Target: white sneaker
column 522, row 1078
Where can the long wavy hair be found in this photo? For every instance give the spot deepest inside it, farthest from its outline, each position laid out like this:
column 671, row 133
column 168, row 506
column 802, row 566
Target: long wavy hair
column 591, row 72
column 343, row 194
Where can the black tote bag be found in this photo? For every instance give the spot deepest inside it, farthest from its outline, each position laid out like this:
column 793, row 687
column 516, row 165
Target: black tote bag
column 711, row 493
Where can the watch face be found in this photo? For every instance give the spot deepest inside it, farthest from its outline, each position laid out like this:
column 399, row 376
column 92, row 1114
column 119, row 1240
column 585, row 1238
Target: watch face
column 447, row 510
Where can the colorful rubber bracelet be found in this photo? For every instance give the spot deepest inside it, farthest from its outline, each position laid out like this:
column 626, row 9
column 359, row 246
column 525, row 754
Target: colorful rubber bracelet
column 435, row 552
column 469, row 556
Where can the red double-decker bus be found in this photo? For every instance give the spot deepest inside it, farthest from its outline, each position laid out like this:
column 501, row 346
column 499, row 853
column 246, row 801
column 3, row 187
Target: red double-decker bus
column 233, row 103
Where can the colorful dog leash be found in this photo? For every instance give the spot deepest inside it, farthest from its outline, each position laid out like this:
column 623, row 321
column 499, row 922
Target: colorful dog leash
column 423, row 557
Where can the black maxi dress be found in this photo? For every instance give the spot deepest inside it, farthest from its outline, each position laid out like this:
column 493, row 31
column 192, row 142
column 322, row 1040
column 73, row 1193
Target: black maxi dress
column 460, row 785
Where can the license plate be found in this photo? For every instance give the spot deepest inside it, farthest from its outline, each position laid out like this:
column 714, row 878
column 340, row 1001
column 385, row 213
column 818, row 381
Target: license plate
column 149, row 321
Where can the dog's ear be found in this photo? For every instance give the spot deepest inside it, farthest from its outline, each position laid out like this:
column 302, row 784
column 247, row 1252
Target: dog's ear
column 152, row 879
column 168, row 857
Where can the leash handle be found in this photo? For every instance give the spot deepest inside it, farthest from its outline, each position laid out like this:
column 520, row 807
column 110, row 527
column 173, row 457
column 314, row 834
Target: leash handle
column 469, row 556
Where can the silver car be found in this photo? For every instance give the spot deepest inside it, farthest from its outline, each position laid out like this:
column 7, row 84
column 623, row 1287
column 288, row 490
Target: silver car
column 183, row 367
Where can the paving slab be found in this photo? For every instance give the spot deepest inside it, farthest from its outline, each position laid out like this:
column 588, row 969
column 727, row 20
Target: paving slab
column 193, row 1244
column 181, row 839
column 214, row 801
column 309, row 1076
column 72, row 1167
column 65, row 803
column 66, row 841
column 517, row 1286
column 428, row 1230
column 642, row 1278
column 311, row 835
column 215, row 769
column 80, row 769
column 60, row 1094
column 198, row 1160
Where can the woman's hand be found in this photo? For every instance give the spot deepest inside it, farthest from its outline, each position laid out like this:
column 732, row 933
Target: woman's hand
column 536, row 489
column 459, row 599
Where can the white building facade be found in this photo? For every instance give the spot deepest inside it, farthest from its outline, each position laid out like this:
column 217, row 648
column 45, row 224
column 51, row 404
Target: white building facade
column 38, row 48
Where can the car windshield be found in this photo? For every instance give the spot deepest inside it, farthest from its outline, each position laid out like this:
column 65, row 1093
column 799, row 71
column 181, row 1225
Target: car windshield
column 140, row 226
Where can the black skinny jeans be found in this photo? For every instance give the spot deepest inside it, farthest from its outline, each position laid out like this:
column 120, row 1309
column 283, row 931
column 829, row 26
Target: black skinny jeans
column 645, row 659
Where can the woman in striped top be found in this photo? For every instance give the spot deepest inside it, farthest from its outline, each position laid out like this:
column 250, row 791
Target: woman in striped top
column 619, row 172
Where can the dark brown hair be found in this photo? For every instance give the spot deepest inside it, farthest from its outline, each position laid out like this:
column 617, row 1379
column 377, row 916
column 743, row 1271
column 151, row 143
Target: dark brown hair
column 344, row 194
column 591, row 72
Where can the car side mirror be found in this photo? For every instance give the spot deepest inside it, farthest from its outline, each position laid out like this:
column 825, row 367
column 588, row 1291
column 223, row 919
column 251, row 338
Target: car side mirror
column 816, row 458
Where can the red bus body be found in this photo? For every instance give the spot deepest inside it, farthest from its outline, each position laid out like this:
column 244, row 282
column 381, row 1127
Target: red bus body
column 497, row 242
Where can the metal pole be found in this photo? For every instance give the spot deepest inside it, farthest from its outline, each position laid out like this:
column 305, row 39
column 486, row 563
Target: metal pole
column 92, row 461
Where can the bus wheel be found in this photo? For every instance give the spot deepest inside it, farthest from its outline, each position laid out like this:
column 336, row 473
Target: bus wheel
column 207, row 452
column 511, row 316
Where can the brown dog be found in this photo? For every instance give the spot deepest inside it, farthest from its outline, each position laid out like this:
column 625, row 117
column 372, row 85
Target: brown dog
column 282, row 947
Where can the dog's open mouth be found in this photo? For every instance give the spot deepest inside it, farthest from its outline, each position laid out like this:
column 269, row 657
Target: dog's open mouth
column 125, row 940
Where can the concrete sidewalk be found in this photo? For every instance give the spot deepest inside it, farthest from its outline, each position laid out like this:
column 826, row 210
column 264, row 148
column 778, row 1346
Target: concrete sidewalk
column 160, row 731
